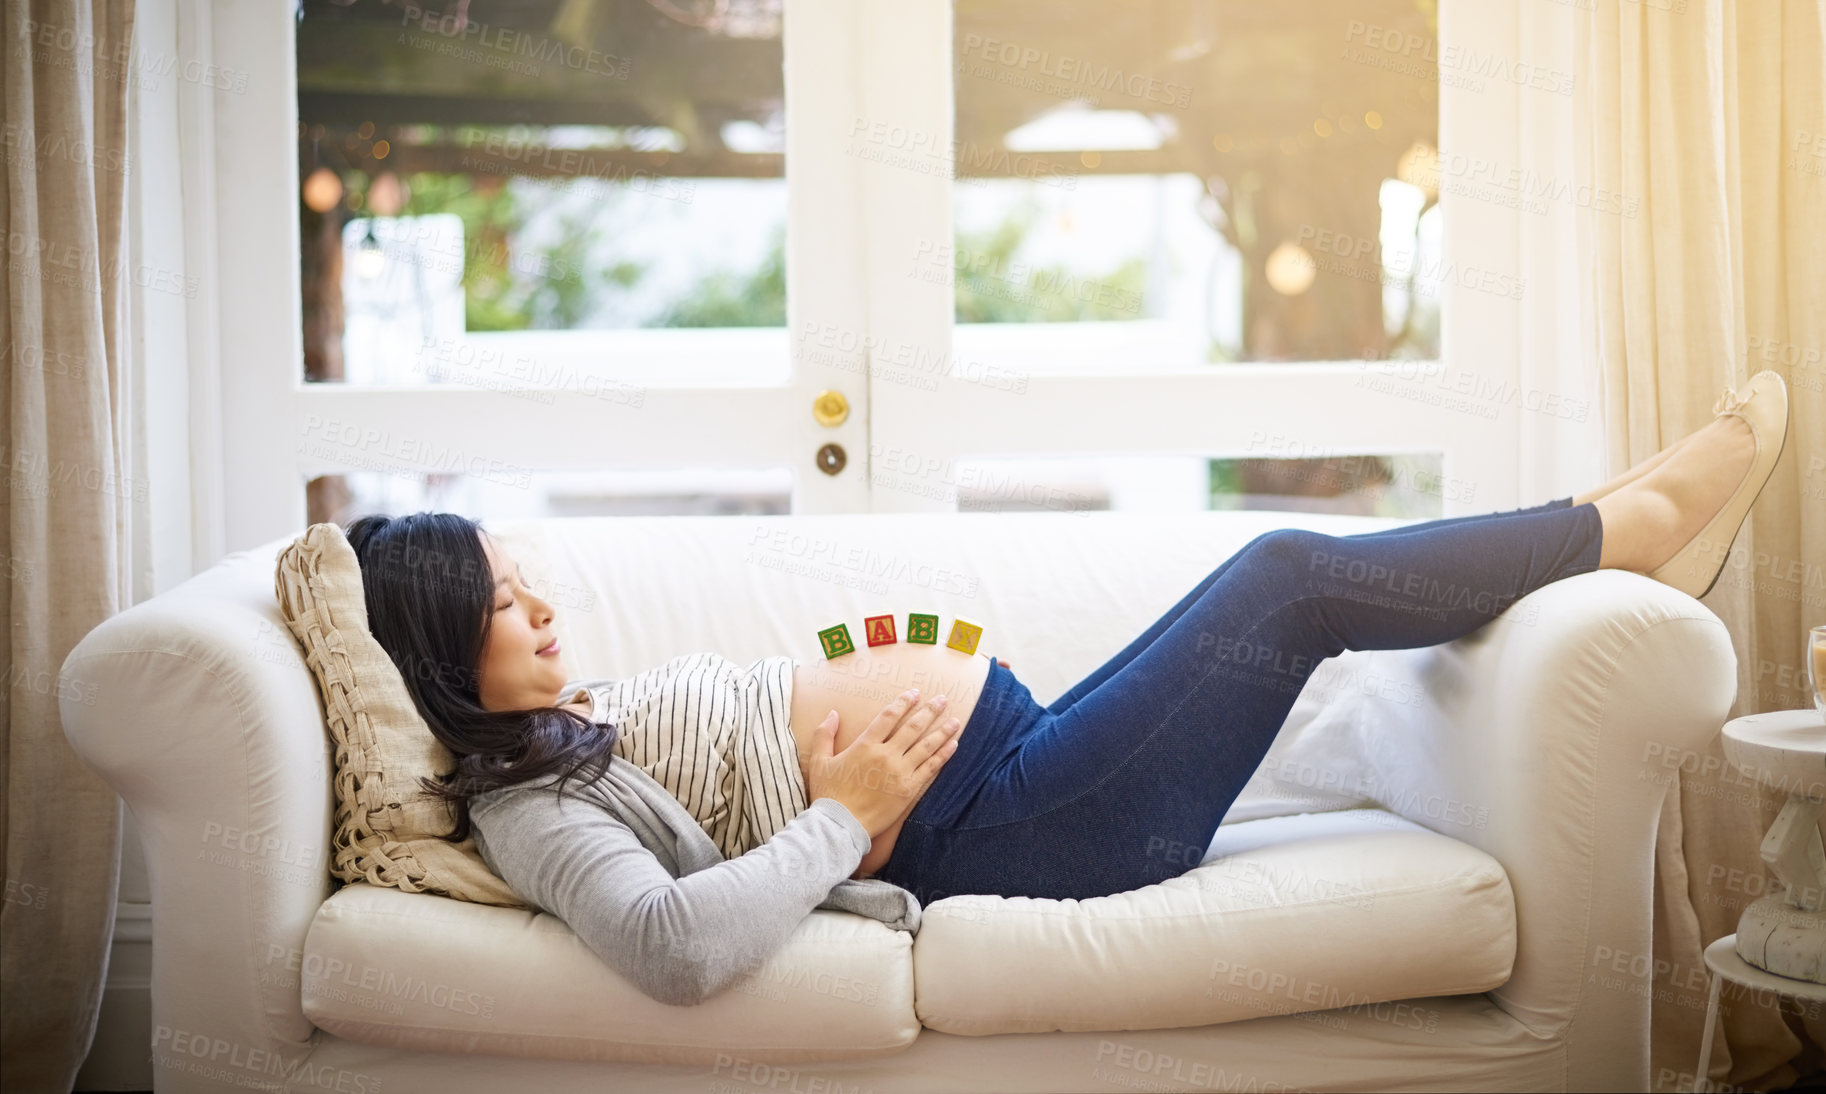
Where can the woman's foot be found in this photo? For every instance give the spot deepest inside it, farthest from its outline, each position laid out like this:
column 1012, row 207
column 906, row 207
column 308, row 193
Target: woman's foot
column 1632, row 474
column 1647, row 521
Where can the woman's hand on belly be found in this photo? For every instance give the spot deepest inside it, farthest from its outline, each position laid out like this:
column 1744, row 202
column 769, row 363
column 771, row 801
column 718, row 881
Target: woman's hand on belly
column 886, row 768
column 858, row 685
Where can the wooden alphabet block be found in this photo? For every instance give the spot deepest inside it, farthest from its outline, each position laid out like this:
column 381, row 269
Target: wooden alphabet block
column 836, row 641
column 879, row 630
column 922, row 629
column 964, row 635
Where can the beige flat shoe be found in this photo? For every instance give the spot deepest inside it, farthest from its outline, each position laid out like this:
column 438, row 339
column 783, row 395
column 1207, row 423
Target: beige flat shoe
column 1765, row 408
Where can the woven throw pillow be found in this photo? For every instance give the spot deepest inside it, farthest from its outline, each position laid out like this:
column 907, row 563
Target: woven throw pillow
column 387, row 825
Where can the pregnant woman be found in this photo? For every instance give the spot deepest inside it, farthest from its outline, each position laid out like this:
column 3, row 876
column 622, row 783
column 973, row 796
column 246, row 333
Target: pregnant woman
column 993, row 793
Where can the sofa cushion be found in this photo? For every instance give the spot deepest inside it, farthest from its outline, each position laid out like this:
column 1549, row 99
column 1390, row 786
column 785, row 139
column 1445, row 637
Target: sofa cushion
column 1352, row 909
column 406, row 970
column 1308, row 912
column 387, row 826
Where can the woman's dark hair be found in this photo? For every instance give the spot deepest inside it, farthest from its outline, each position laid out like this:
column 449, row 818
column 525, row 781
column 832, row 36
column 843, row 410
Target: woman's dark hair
column 430, row 599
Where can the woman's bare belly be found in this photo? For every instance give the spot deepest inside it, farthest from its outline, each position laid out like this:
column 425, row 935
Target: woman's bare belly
column 857, row 685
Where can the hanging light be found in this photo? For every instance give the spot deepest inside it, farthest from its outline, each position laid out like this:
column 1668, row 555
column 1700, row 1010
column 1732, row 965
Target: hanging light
column 321, row 191
column 1290, row 269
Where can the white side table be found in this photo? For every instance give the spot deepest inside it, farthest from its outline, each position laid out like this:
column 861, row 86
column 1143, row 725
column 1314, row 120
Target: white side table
column 1722, row 960
column 1784, row 931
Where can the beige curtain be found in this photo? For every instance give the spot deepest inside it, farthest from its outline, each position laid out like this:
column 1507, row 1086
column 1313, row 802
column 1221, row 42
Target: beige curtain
column 74, row 527
column 1711, row 113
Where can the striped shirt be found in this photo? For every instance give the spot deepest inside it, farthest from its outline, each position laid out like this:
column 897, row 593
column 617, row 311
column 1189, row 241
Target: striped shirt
column 716, row 736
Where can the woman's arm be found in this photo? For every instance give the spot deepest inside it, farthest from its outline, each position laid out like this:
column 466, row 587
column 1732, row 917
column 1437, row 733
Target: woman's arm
column 680, row 940
column 882, row 847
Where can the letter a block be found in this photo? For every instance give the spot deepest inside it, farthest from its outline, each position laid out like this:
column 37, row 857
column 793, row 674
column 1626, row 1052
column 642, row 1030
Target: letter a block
column 879, row 630
column 964, row 635
column 836, row 641
column 922, row 629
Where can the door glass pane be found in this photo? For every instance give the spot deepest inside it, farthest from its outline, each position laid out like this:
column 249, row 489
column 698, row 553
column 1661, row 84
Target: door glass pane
column 586, row 168
column 1148, row 184
column 665, row 492
column 1237, row 181
column 1408, row 486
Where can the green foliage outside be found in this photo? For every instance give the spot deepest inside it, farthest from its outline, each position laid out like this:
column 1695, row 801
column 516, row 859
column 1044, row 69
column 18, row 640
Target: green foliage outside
column 507, row 286
column 727, row 299
column 1227, row 485
column 990, row 288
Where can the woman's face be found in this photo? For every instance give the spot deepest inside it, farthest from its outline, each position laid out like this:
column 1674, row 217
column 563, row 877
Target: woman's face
column 520, row 666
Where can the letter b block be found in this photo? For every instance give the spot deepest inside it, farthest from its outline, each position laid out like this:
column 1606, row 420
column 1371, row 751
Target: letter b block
column 922, row 629
column 836, row 641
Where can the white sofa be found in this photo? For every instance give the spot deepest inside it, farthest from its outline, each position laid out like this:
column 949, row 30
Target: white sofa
column 1449, row 849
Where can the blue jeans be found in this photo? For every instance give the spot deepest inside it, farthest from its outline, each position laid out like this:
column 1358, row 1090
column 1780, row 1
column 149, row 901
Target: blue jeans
column 1122, row 781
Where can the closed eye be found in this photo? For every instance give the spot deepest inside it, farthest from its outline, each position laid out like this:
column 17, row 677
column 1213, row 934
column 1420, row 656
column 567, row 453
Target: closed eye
column 520, row 576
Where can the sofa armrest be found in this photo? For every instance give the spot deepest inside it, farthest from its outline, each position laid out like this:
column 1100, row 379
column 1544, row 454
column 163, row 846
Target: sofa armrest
column 206, row 721
column 1547, row 739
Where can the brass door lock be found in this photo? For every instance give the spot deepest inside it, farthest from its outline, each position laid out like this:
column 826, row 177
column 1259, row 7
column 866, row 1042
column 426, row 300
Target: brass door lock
column 830, row 408
column 831, row 459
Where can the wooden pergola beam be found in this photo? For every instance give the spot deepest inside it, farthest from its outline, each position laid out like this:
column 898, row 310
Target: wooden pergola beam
column 533, row 160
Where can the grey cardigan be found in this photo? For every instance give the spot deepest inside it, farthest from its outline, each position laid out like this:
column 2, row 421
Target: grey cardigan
column 642, row 884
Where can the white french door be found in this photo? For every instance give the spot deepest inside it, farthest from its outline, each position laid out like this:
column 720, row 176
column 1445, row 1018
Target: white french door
column 862, row 77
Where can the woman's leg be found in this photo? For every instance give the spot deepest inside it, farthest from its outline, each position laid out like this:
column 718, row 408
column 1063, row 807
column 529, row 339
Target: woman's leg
column 1128, row 785
column 1113, row 665
column 1109, row 668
